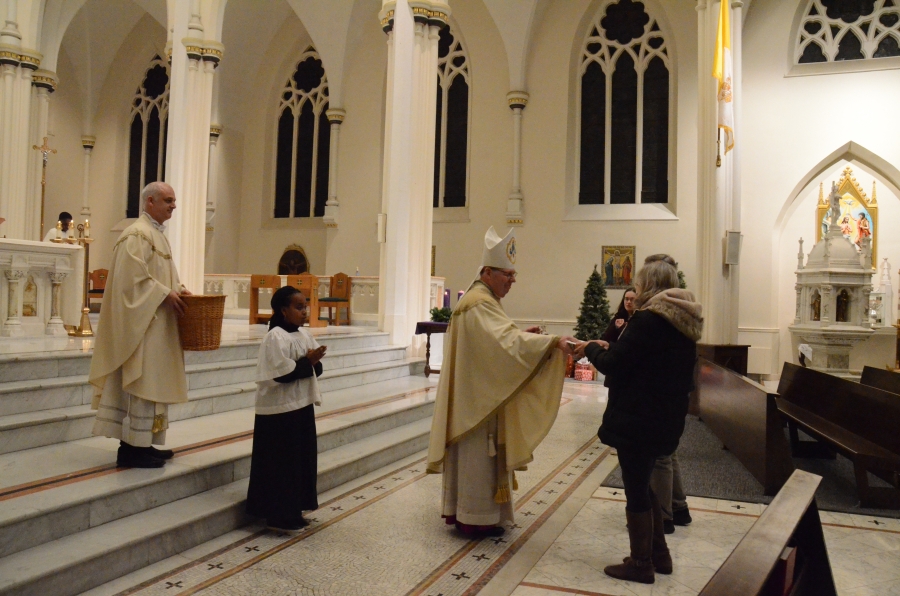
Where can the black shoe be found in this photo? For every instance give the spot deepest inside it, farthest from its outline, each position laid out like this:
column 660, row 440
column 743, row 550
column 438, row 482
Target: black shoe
column 130, row 457
column 290, row 526
column 681, row 517
column 160, row 453
column 668, row 526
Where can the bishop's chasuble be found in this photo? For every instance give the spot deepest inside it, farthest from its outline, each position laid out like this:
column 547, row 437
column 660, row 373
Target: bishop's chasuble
column 497, row 398
column 137, row 342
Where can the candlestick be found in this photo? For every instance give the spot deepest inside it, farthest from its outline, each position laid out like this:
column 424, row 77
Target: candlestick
column 87, row 228
column 59, row 225
column 446, row 298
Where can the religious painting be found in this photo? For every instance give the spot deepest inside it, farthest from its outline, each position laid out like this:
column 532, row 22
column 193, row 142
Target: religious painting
column 293, row 261
column 618, row 266
column 858, row 217
column 29, row 298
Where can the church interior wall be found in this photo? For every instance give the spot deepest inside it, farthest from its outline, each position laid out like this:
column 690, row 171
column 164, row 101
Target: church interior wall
column 791, row 123
column 353, row 245
column 262, row 238
column 138, row 43
column 878, row 350
column 557, row 255
column 458, row 245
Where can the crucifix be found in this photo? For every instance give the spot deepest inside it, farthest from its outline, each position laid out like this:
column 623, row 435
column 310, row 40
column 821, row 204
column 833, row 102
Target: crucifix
column 46, row 151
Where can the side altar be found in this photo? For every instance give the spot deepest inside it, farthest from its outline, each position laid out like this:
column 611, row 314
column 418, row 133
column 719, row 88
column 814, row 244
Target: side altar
column 41, row 287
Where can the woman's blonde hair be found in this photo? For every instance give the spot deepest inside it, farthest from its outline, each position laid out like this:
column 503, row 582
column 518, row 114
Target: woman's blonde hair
column 659, row 273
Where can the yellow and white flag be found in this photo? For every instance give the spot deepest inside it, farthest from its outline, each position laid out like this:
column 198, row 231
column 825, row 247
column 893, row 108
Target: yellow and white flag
column 722, row 71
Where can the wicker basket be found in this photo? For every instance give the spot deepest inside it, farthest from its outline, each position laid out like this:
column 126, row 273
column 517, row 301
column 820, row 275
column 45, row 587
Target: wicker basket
column 201, row 326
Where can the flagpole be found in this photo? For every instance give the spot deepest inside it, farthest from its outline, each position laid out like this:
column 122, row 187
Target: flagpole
column 718, row 147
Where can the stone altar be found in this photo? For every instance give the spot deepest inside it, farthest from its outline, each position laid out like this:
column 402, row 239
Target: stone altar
column 41, row 287
column 833, row 287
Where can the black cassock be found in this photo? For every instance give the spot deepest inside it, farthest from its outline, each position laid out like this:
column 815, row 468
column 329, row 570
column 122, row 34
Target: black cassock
column 283, row 464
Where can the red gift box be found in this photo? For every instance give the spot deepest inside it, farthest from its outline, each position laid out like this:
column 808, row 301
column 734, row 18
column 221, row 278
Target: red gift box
column 584, row 372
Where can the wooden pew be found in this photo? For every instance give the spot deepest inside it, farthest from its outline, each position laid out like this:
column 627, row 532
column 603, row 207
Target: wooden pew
column 881, row 379
column 743, row 415
column 858, row 421
column 784, row 552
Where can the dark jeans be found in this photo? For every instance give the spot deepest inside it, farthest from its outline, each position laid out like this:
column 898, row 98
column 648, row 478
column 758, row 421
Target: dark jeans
column 637, row 468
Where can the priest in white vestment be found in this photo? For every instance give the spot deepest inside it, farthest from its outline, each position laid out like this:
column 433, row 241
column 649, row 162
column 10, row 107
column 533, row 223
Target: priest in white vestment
column 498, row 395
column 137, row 369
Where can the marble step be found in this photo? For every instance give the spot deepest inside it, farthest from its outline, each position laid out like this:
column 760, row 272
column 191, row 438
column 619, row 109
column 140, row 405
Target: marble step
column 45, row 427
column 33, row 519
column 75, row 362
column 78, row 562
column 32, row 395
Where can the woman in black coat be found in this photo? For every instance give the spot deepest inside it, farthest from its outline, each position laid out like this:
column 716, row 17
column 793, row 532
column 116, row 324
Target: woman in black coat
column 623, row 314
column 649, row 373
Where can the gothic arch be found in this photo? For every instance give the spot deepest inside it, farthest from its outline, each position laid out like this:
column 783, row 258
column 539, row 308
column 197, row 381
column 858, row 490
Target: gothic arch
column 852, row 152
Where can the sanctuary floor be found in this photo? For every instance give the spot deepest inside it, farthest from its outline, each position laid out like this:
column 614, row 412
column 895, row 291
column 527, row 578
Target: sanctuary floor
column 382, row 534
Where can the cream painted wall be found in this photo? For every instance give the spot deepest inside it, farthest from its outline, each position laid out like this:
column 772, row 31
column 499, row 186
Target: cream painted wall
column 108, row 177
column 557, row 256
column 790, row 125
column 353, row 245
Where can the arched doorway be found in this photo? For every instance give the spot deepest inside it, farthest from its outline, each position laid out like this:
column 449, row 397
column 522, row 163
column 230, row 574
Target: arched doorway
column 293, row 261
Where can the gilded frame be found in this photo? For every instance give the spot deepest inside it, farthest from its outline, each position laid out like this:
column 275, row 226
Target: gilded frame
column 619, row 266
column 851, row 194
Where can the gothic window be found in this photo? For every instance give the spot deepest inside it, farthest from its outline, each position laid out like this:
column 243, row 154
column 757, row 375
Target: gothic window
column 625, row 101
column 839, row 30
column 451, row 134
column 147, row 143
column 303, row 139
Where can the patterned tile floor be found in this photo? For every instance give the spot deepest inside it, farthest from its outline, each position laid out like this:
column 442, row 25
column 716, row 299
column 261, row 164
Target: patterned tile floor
column 384, row 536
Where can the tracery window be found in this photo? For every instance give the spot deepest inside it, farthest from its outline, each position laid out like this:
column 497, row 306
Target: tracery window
column 838, row 30
column 303, row 138
column 452, row 123
column 625, row 101
column 147, row 142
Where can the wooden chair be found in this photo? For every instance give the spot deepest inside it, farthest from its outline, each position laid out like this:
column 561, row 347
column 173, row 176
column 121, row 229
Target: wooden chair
column 97, row 284
column 339, row 297
column 309, row 285
column 258, row 282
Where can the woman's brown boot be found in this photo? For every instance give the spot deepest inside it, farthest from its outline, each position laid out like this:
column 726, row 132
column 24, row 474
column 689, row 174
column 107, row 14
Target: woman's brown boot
column 639, row 566
column 662, row 559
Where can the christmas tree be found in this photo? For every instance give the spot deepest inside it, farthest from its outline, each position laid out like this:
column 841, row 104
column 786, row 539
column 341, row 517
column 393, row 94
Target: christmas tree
column 594, row 317
column 681, row 283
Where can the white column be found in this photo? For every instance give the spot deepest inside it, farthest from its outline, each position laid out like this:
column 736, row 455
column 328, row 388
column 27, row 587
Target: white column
column 43, row 83
column 515, row 208
column 408, row 165
column 213, row 185
column 87, row 144
column 194, row 60
column 13, row 324
column 718, row 188
column 16, row 68
column 55, row 324
column 332, row 207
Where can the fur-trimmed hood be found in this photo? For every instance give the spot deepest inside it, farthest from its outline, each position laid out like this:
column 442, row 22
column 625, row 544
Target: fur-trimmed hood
column 679, row 308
